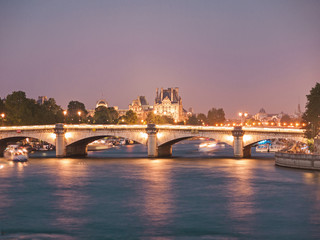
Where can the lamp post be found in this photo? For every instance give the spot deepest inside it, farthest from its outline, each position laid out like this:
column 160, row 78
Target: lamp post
column 65, row 115
column 2, row 118
column 79, row 113
column 243, row 116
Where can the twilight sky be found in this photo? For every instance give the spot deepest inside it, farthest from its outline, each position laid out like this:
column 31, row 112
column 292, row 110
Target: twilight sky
column 238, row 55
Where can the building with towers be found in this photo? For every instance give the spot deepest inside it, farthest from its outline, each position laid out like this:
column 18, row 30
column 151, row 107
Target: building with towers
column 140, row 106
column 169, row 103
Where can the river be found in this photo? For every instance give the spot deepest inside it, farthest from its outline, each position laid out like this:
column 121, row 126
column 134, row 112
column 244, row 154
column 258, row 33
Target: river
column 121, row 194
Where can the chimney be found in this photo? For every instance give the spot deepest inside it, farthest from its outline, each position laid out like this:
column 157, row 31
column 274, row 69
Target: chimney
column 171, row 94
column 161, row 94
column 157, row 93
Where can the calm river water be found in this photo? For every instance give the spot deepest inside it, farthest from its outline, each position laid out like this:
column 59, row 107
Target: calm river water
column 191, row 196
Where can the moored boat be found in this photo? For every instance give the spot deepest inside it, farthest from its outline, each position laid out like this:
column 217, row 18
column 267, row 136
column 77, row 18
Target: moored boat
column 16, row 153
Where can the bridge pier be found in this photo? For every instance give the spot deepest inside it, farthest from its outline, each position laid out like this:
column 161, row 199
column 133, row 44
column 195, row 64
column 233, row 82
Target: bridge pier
column 238, row 142
column 165, row 151
column 60, row 140
column 79, row 150
column 3, row 146
column 247, row 152
column 152, row 140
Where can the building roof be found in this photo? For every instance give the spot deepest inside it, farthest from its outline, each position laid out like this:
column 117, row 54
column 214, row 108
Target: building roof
column 171, row 93
column 262, row 110
column 143, row 100
column 102, row 103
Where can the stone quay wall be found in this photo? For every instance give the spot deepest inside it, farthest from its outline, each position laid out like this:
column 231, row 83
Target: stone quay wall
column 295, row 160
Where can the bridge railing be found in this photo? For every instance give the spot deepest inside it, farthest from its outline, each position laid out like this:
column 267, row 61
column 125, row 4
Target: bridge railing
column 36, row 127
column 140, row 126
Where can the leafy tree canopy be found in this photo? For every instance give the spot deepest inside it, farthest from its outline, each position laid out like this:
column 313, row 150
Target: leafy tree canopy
column 216, row 116
column 103, row 115
column 202, row 118
column 312, row 113
column 1, row 106
column 157, row 119
column 193, row 120
column 76, row 112
column 285, row 119
column 20, row 110
column 131, row 117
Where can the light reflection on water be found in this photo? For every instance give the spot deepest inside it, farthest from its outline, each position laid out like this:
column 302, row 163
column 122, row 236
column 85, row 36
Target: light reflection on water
column 71, row 199
column 240, row 200
column 157, row 192
column 139, row 198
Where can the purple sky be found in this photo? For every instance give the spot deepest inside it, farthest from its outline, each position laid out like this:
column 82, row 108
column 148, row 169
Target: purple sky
column 238, row 55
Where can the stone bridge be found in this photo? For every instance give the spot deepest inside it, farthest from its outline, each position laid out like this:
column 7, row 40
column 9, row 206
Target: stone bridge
column 72, row 140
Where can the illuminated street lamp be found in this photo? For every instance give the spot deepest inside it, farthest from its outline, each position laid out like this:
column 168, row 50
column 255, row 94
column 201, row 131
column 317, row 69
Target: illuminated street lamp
column 243, row 116
column 2, row 118
column 65, row 115
column 79, row 113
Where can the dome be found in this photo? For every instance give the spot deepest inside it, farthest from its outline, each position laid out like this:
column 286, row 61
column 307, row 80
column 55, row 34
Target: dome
column 262, row 110
column 102, row 103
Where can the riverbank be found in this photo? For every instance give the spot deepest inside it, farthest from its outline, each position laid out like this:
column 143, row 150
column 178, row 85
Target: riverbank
column 295, row 160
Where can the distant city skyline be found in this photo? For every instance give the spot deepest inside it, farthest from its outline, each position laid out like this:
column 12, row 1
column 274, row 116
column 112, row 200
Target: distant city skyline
column 235, row 55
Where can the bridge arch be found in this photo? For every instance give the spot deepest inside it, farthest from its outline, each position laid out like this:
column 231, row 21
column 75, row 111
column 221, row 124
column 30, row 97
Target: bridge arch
column 79, row 148
column 49, row 138
column 165, row 144
column 170, row 138
column 251, row 139
column 77, row 142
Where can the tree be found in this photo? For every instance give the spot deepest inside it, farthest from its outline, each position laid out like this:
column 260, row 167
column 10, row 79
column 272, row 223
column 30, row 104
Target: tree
column 21, row 110
column 2, row 112
column 216, row 116
column 103, row 115
column 193, row 120
column 51, row 112
column 285, row 119
column 157, row 119
column 151, row 118
column 76, row 112
column 202, row 118
column 1, row 106
column 312, row 113
column 166, row 120
column 131, row 117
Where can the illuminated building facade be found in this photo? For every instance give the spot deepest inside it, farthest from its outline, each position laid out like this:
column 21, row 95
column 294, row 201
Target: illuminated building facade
column 262, row 116
column 169, row 103
column 140, row 106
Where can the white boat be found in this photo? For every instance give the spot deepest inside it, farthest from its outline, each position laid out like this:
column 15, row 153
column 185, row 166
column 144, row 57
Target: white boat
column 210, row 146
column 16, row 153
column 269, row 147
column 99, row 145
